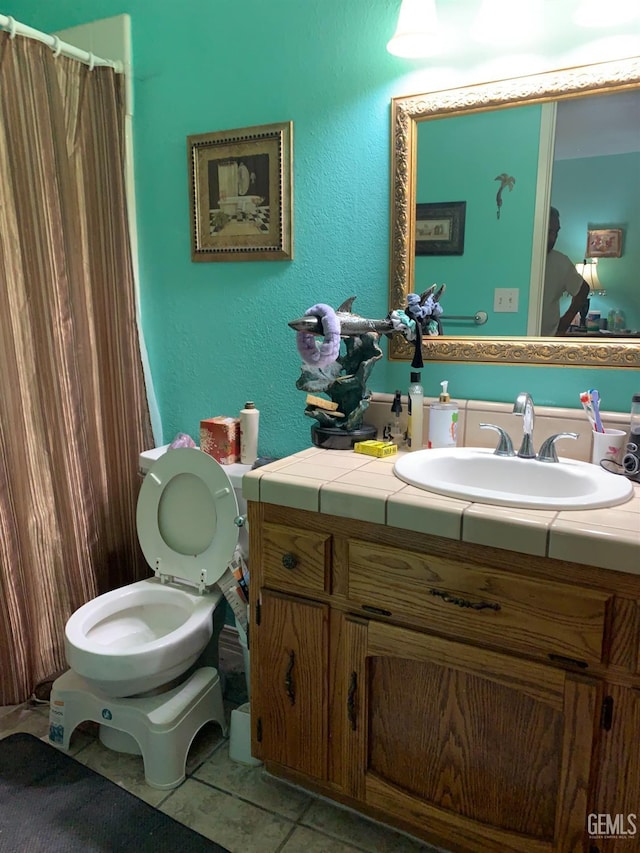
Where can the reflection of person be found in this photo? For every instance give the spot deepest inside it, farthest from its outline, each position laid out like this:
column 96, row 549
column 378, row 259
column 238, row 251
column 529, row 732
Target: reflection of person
column 560, row 277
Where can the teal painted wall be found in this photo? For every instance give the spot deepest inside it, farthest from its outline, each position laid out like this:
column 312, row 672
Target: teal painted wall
column 217, row 333
column 582, row 193
column 458, row 160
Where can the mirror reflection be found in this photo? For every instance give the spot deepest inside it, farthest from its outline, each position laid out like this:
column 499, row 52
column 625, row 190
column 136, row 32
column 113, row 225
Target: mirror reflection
column 508, row 166
column 488, row 154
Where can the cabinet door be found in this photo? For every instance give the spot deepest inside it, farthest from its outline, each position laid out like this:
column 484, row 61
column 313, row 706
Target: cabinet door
column 487, row 752
column 614, row 824
column 289, row 695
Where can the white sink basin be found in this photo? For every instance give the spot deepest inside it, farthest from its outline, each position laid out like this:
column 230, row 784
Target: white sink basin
column 477, row 474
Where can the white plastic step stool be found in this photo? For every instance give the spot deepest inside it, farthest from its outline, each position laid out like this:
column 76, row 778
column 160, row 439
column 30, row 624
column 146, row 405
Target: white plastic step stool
column 160, row 728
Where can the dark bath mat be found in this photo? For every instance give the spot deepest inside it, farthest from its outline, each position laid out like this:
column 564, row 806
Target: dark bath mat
column 50, row 802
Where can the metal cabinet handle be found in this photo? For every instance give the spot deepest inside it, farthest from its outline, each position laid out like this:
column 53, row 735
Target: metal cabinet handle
column 288, row 678
column 351, row 700
column 463, row 602
column 289, row 560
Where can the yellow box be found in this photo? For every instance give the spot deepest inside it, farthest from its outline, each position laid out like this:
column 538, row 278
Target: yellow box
column 375, row 448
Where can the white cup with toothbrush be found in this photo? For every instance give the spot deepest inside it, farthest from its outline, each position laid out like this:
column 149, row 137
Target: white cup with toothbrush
column 607, row 444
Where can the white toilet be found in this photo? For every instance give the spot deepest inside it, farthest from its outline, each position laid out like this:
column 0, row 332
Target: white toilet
column 132, row 652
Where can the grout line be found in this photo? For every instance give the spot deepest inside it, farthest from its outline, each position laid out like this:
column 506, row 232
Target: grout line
column 247, row 802
column 286, row 839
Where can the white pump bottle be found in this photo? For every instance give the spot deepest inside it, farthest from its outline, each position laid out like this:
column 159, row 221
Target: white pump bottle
column 443, row 420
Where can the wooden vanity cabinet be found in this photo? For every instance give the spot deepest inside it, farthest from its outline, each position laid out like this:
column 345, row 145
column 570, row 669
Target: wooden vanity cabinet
column 492, row 715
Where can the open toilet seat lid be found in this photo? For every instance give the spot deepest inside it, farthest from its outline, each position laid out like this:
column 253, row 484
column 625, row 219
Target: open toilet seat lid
column 186, row 517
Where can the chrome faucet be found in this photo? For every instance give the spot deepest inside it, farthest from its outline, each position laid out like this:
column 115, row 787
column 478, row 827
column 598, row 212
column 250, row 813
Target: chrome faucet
column 505, row 446
column 524, row 406
column 548, row 452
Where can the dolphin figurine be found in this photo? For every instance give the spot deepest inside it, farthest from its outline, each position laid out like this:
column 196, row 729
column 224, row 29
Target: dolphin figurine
column 351, row 325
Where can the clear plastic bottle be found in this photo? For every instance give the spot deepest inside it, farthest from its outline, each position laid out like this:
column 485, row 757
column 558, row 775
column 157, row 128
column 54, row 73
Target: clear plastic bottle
column 249, row 422
column 620, row 322
column 416, row 413
column 395, row 431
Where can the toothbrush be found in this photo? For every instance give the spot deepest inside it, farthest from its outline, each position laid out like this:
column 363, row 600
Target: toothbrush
column 594, row 398
column 586, row 405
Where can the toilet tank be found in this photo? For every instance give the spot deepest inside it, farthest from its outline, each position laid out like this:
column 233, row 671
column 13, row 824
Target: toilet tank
column 235, row 472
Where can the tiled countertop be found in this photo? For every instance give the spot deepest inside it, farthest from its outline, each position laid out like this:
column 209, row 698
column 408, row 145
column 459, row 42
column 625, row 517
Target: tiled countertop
column 351, row 485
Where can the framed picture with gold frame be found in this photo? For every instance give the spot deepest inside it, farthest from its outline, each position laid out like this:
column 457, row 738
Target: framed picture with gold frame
column 241, row 188
column 440, row 228
column 604, row 243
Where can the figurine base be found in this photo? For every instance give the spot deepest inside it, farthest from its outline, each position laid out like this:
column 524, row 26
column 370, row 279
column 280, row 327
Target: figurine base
column 333, row 438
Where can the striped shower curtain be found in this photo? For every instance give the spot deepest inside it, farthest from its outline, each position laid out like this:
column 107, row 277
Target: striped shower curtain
column 73, row 410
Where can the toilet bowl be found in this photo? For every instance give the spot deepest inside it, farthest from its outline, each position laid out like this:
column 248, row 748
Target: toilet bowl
column 146, row 634
column 134, row 652
column 139, row 637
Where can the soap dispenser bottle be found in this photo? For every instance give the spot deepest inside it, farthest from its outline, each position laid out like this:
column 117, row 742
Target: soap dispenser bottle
column 443, row 420
column 416, row 412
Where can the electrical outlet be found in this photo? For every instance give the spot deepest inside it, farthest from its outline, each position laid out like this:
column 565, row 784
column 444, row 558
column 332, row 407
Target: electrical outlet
column 505, row 299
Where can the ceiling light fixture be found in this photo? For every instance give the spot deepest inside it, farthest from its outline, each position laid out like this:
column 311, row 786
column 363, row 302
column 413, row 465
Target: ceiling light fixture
column 508, row 21
column 589, row 13
column 417, row 32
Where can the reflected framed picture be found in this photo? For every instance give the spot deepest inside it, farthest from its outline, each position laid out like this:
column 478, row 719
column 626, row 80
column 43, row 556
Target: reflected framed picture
column 240, row 191
column 604, row 243
column 440, row 228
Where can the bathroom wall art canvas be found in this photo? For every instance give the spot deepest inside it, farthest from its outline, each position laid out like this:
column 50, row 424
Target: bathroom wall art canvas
column 604, row 243
column 240, row 186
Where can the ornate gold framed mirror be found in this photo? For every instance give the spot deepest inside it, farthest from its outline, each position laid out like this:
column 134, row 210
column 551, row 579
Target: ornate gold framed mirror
column 408, row 114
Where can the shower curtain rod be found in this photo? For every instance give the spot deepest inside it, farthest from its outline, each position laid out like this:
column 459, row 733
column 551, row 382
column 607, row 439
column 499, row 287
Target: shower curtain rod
column 15, row 28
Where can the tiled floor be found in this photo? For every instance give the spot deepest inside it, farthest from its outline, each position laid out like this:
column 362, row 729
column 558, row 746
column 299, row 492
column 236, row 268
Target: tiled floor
column 242, row 808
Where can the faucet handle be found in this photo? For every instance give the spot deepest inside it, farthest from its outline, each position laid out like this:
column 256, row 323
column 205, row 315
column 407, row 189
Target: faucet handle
column 548, row 449
column 505, row 445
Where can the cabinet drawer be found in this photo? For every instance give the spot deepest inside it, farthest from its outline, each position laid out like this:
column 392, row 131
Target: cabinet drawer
column 466, row 600
column 294, row 559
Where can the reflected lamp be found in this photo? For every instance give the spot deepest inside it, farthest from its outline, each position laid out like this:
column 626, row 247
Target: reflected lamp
column 588, row 269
